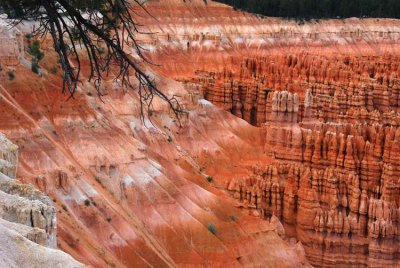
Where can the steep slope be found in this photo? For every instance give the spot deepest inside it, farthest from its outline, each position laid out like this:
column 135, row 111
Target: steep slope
column 137, row 193
column 210, row 193
column 125, row 194
column 326, row 96
column 27, row 220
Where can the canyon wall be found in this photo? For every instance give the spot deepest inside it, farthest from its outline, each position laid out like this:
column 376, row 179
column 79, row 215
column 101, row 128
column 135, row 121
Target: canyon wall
column 335, row 185
column 319, row 154
column 325, row 96
column 27, row 220
column 131, row 192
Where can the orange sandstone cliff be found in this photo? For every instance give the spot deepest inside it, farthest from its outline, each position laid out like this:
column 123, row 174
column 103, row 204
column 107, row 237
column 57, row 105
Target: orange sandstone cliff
column 310, row 172
column 132, row 193
column 325, row 96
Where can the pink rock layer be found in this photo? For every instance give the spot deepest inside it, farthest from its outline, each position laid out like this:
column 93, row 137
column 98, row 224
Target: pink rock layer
column 321, row 155
column 325, row 96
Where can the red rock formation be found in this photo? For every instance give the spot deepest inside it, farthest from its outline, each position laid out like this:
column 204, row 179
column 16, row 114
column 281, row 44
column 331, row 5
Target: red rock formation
column 131, row 193
column 334, row 197
column 323, row 159
column 335, row 151
column 27, row 219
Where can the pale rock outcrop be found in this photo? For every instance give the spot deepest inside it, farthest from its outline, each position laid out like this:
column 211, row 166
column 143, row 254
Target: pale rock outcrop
column 28, row 232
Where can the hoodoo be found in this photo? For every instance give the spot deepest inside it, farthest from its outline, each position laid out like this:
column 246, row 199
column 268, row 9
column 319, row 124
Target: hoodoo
column 285, row 151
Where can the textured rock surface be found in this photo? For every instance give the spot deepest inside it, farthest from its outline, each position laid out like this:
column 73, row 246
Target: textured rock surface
column 335, row 186
column 323, row 159
column 27, row 220
column 131, row 193
column 326, row 97
column 18, row 251
column 120, row 186
column 342, row 194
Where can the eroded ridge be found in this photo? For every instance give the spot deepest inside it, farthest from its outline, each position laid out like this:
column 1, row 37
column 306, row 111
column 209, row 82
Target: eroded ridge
column 334, row 185
column 27, row 219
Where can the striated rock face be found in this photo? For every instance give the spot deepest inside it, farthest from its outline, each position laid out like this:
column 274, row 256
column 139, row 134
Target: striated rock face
column 316, row 175
column 326, row 98
column 11, row 48
column 8, row 157
column 335, row 186
column 237, row 59
column 121, row 186
column 350, row 88
column 27, row 220
column 133, row 193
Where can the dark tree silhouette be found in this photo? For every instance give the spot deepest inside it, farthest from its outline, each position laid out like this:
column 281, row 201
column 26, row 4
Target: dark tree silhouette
column 103, row 29
column 309, row 9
